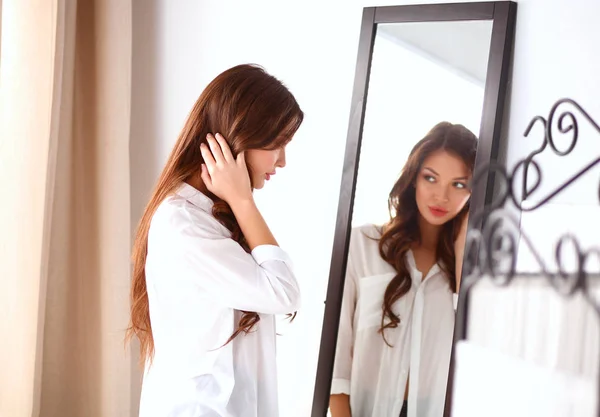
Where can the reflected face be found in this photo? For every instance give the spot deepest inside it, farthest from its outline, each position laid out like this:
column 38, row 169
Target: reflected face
column 263, row 163
column 442, row 187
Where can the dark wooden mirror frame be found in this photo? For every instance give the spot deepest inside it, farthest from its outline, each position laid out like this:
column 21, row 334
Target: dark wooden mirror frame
column 503, row 17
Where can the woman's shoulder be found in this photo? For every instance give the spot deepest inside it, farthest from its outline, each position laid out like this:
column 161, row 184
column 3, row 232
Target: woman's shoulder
column 366, row 231
column 365, row 238
column 178, row 216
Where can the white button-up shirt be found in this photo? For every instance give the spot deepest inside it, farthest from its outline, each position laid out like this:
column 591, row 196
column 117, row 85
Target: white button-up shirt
column 373, row 374
column 198, row 281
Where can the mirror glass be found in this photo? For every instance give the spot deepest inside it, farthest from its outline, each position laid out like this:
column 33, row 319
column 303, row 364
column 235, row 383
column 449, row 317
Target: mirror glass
column 425, row 96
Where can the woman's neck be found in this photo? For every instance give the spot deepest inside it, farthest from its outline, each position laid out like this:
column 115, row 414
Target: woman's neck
column 430, row 234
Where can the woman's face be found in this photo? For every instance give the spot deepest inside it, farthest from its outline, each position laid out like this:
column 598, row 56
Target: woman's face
column 442, row 187
column 263, row 163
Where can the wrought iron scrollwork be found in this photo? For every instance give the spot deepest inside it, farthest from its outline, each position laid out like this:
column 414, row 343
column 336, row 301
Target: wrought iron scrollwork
column 492, row 251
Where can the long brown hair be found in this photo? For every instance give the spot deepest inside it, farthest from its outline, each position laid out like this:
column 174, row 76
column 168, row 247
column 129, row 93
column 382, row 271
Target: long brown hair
column 252, row 110
column 402, row 231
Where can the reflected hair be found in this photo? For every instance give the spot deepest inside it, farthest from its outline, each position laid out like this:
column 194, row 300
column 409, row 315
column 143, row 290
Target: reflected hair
column 403, row 231
column 252, row 110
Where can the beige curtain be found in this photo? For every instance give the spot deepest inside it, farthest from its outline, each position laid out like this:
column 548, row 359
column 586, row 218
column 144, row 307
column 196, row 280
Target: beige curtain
column 65, row 76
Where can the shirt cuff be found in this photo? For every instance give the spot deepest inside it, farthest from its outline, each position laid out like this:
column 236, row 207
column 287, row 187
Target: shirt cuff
column 455, row 301
column 340, row 386
column 264, row 253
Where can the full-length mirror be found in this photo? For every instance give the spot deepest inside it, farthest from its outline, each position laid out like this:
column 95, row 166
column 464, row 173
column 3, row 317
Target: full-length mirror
column 387, row 343
column 423, row 113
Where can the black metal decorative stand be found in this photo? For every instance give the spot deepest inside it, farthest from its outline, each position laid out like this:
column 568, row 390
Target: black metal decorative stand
column 492, row 252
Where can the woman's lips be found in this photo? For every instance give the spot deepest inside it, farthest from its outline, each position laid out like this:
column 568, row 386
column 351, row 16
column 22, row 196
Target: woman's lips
column 438, row 211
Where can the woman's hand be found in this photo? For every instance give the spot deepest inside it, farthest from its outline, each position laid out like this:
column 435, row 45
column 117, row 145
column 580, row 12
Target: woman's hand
column 459, row 248
column 339, row 405
column 225, row 176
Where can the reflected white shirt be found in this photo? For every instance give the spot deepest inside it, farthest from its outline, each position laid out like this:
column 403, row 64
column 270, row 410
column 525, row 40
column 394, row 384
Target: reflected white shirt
column 198, row 281
column 373, row 374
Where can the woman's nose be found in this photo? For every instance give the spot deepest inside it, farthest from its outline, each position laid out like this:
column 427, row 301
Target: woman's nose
column 442, row 194
column 281, row 160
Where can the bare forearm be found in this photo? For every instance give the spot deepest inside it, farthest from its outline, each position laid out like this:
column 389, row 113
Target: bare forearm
column 459, row 250
column 458, row 257
column 339, row 405
column 252, row 223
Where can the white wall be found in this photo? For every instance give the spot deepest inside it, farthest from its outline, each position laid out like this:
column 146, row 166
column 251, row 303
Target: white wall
column 179, row 46
column 463, row 46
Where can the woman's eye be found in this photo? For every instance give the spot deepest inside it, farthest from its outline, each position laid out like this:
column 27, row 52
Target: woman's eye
column 460, row 185
column 429, row 178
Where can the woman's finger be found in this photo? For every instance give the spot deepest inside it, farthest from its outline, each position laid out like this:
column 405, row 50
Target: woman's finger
column 225, row 148
column 241, row 159
column 215, row 148
column 207, row 156
column 206, row 176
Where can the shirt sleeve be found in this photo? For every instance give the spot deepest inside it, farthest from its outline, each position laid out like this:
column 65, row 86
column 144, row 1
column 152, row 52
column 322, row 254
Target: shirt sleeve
column 262, row 281
column 342, row 368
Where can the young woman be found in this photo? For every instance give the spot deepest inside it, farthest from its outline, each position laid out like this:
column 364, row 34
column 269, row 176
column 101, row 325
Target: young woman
column 208, row 274
column 400, row 290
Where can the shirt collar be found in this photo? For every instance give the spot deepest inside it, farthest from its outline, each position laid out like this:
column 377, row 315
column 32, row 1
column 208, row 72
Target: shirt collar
column 195, row 197
column 410, row 258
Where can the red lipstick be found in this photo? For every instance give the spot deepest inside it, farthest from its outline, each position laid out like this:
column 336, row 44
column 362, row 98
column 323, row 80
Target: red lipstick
column 438, row 211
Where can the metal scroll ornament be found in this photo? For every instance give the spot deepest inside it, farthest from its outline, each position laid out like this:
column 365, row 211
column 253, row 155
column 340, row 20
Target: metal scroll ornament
column 492, row 251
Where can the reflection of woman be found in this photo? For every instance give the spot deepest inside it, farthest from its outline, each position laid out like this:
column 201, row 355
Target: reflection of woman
column 208, row 275
column 397, row 317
